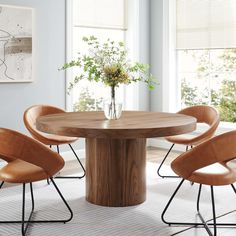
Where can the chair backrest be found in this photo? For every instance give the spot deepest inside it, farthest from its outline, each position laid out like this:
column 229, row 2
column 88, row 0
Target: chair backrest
column 203, row 114
column 221, row 148
column 32, row 113
column 14, row 145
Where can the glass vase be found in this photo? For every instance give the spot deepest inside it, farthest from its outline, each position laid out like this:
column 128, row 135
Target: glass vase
column 112, row 107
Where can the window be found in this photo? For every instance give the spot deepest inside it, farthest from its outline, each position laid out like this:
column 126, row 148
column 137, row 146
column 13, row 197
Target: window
column 103, row 19
column 206, row 54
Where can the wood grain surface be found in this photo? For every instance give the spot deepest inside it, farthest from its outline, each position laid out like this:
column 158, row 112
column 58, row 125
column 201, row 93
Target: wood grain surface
column 132, row 124
column 115, row 171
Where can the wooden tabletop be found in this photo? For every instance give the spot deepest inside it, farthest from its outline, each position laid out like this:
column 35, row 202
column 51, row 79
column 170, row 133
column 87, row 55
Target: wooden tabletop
column 132, row 124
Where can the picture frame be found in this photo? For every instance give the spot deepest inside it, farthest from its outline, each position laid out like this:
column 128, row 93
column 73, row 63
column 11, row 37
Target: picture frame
column 16, row 44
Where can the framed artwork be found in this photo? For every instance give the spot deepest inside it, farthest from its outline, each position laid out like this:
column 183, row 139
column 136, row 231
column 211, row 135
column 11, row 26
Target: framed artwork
column 16, row 44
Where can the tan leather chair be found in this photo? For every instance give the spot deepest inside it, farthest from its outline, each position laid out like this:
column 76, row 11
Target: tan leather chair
column 30, row 116
column 203, row 114
column 216, row 152
column 28, row 161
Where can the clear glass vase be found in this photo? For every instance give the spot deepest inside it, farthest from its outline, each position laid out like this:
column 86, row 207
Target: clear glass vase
column 112, row 107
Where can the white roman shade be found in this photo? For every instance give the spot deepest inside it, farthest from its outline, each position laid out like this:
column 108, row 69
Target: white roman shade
column 206, row 24
column 100, row 13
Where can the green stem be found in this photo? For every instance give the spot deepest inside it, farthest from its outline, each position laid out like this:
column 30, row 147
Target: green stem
column 112, row 92
column 113, row 103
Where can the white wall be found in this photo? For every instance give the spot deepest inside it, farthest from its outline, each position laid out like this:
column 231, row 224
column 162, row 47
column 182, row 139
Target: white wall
column 49, row 54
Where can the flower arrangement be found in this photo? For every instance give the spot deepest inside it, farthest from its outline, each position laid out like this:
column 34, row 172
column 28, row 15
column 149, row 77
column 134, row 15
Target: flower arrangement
column 108, row 63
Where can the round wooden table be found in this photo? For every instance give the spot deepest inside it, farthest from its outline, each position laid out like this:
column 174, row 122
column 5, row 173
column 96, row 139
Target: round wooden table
column 116, row 149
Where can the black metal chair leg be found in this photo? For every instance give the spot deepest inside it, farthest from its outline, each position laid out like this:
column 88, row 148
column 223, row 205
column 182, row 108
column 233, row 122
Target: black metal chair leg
column 23, row 227
column 66, row 204
column 78, row 160
column 48, row 182
column 72, row 177
column 233, row 188
column 58, row 151
column 213, row 210
column 63, row 199
column 25, row 223
column 167, row 205
column 159, row 168
column 204, row 223
column 32, row 196
column 1, row 184
column 23, row 231
column 198, row 197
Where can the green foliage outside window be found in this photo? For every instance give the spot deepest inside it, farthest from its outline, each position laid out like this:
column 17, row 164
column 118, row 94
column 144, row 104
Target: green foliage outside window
column 86, row 102
column 227, row 101
column 224, row 98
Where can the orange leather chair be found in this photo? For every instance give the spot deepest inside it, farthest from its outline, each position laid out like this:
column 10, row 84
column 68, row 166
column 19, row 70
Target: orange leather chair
column 28, row 161
column 216, row 151
column 203, row 114
column 30, row 116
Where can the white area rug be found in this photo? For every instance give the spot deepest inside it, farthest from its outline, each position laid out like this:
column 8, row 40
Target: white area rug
column 92, row 220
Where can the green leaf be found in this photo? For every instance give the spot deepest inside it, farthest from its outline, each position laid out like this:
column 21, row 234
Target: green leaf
column 108, row 62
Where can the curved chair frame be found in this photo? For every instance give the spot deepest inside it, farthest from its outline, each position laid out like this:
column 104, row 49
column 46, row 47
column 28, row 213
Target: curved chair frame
column 203, row 114
column 30, row 116
column 220, row 149
column 18, row 147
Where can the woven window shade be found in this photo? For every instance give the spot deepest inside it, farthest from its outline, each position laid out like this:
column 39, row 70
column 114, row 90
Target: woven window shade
column 100, row 13
column 206, row 24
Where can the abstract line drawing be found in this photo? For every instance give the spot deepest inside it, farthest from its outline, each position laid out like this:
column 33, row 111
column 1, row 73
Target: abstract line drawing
column 15, row 44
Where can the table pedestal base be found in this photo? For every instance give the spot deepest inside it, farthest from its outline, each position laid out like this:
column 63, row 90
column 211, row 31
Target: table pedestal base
column 115, row 171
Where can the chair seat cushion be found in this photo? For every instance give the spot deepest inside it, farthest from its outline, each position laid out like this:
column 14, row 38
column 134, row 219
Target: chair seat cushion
column 216, row 174
column 51, row 139
column 193, row 138
column 60, row 139
column 19, row 171
column 185, row 139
